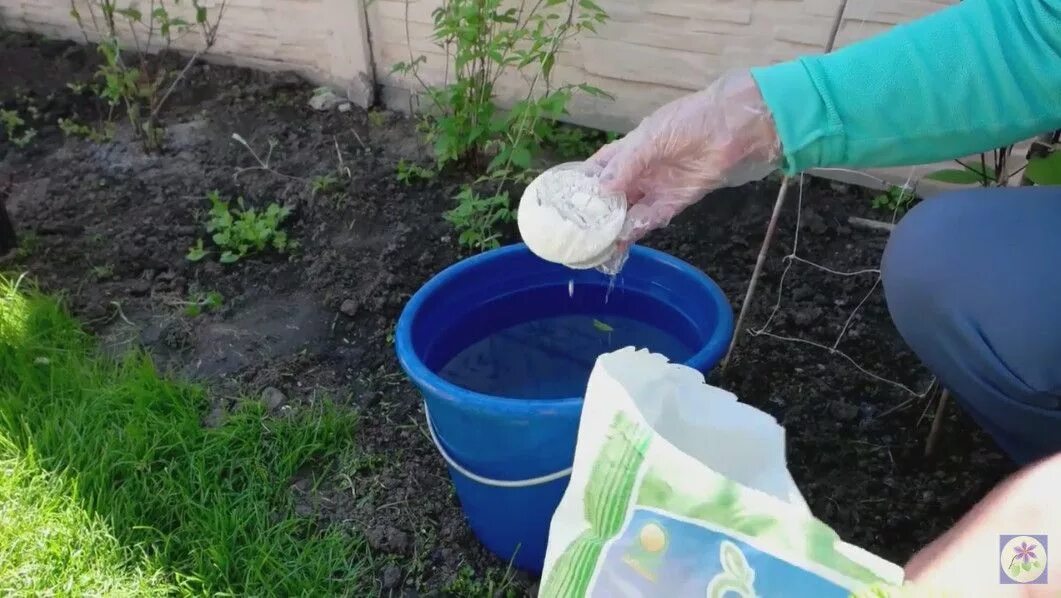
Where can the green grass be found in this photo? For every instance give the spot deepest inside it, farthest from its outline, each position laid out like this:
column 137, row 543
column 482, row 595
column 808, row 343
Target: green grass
column 109, row 485
column 48, row 543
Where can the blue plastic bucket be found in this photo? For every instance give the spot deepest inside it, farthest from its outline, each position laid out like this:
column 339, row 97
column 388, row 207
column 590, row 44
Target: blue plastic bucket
column 509, row 458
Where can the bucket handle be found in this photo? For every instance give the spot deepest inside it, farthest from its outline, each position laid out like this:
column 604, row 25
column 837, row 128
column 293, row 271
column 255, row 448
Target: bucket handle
column 538, row 481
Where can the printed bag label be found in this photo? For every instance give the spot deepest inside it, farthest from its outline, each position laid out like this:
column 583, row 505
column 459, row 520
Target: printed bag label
column 661, row 555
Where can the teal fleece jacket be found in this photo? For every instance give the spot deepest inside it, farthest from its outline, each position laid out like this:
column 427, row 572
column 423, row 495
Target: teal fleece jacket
column 966, row 79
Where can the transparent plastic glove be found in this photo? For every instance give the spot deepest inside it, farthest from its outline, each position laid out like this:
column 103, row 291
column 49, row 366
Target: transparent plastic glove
column 722, row 136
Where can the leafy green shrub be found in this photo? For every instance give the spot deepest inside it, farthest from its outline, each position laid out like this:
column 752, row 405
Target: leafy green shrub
column 409, row 172
column 576, row 143
column 241, row 231
column 16, row 129
column 895, row 200
column 141, row 84
column 73, row 128
column 476, row 218
column 968, row 174
column 483, row 39
column 1043, row 167
column 486, row 38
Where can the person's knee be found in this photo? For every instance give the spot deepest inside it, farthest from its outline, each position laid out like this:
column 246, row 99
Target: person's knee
column 918, row 256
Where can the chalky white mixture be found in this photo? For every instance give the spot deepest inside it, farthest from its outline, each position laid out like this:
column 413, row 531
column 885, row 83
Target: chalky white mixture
column 565, row 218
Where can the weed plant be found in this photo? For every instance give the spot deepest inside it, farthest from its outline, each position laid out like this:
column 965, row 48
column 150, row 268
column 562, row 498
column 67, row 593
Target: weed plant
column 240, row 231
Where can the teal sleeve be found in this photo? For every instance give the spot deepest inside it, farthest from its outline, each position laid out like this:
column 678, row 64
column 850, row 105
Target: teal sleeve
column 966, row 79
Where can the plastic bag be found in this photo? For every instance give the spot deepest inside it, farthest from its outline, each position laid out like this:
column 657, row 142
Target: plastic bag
column 680, row 490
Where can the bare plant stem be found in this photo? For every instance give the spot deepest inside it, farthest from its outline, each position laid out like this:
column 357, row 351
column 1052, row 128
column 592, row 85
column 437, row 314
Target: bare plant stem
column 262, row 164
column 209, row 38
column 173, row 84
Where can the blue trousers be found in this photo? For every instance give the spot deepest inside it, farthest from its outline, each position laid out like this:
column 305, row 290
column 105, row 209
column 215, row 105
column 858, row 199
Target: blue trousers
column 973, row 283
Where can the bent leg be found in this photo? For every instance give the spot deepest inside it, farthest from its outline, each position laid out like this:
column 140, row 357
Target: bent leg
column 973, row 282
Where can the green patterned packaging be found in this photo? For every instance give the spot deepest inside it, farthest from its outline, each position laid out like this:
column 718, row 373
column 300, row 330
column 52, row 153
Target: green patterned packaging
column 678, row 489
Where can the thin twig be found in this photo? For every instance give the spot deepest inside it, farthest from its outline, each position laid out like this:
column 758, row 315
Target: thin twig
column 876, row 225
column 412, row 63
column 359, row 140
column 933, row 388
column 209, row 38
column 937, row 423
column 262, row 164
column 898, row 407
column 838, row 19
column 151, row 26
column 343, row 168
column 122, row 313
column 788, row 262
column 771, row 230
column 173, row 85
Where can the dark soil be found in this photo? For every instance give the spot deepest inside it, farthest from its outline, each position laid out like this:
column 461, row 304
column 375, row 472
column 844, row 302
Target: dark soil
column 109, row 226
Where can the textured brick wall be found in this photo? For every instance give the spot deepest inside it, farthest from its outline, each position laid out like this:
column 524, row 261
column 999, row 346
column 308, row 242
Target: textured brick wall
column 321, row 39
column 651, row 51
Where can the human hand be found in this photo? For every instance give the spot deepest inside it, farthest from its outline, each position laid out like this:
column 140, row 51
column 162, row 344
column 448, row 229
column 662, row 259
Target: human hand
column 722, row 136
column 965, row 561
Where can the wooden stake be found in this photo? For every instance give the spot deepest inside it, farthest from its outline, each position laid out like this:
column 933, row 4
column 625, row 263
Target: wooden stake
column 937, row 423
column 771, row 230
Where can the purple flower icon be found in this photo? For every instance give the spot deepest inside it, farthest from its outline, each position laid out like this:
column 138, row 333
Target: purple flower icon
column 1025, row 552
column 1023, row 559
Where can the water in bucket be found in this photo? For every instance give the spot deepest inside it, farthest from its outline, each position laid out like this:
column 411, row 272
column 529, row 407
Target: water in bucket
column 551, row 358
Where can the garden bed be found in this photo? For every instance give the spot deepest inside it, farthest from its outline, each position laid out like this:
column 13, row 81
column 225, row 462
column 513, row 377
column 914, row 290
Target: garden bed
column 109, row 226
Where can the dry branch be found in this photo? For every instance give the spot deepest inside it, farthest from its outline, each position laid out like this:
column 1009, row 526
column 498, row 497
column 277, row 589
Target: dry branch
column 874, row 225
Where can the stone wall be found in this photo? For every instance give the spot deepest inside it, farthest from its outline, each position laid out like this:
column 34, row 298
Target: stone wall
column 649, row 52
column 324, row 40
